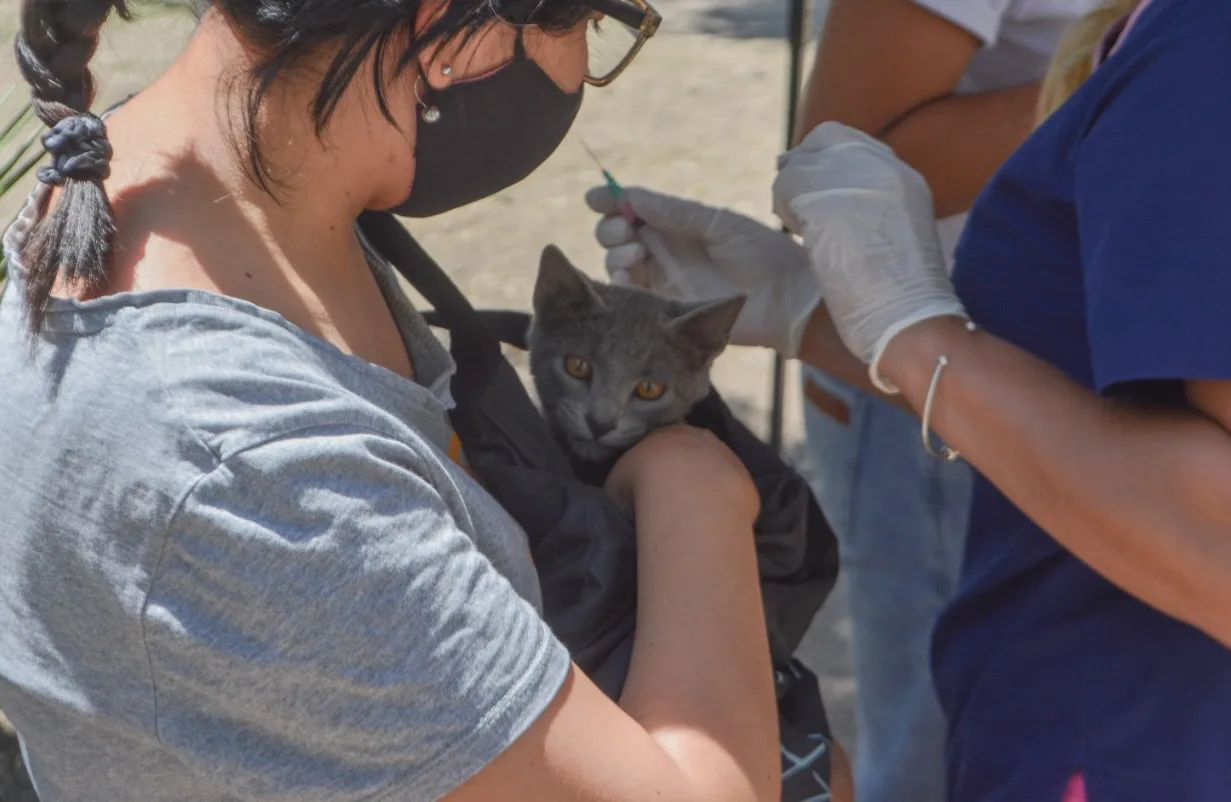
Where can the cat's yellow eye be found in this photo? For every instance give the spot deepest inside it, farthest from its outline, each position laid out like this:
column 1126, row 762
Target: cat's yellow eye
column 578, row 366
column 650, row 390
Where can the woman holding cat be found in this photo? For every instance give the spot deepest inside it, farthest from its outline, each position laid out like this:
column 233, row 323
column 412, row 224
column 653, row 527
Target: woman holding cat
column 1076, row 360
column 238, row 562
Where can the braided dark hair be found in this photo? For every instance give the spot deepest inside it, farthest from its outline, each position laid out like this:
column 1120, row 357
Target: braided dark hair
column 58, row 38
column 54, row 47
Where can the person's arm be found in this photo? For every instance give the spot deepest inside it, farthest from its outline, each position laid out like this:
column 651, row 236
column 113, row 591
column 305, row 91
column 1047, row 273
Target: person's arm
column 1137, row 491
column 890, row 67
column 697, row 718
column 959, row 141
column 821, row 348
column 1141, row 495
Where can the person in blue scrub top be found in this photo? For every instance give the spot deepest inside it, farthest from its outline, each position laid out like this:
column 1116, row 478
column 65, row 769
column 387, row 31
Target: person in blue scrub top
column 1080, row 361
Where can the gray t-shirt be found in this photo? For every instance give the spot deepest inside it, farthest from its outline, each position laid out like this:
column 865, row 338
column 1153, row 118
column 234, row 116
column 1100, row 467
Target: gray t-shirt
column 238, row 563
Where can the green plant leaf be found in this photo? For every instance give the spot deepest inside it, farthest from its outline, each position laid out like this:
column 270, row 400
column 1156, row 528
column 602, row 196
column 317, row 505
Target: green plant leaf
column 19, row 173
column 17, row 138
column 16, row 124
column 20, row 151
column 11, row 162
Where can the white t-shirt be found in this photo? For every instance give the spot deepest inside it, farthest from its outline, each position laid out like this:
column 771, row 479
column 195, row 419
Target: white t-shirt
column 1018, row 39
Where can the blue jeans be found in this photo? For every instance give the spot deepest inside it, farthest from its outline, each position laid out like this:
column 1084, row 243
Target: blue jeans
column 900, row 517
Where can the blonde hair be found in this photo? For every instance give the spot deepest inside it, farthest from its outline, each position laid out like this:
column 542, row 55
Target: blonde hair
column 1074, row 57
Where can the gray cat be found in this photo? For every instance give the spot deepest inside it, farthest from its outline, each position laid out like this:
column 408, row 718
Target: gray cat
column 613, row 363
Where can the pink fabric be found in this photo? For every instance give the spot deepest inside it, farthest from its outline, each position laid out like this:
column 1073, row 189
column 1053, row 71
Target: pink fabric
column 1076, row 789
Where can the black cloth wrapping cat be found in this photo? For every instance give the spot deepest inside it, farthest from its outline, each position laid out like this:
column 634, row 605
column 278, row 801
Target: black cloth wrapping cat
column 584, row 545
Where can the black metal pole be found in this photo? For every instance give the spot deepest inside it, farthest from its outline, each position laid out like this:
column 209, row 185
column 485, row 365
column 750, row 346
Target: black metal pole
column 797, row 14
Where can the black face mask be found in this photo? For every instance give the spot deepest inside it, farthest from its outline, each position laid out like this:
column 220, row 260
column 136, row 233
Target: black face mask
column 489, row 134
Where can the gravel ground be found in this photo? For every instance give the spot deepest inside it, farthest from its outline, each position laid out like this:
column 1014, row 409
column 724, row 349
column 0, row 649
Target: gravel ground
column 699, row 113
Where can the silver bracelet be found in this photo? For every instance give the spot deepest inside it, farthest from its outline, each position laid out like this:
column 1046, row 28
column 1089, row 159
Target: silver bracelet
column 946, row 453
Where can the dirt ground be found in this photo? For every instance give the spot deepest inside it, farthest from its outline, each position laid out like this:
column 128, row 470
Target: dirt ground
column 700, row 112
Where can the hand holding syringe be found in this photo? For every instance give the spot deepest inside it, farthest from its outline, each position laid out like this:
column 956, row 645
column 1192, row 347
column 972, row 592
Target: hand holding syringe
column 698, row 252
column 674, row 274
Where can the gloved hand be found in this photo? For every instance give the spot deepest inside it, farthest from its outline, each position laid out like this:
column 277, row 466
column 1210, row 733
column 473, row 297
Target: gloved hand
column 866, row 218
column 689, row 251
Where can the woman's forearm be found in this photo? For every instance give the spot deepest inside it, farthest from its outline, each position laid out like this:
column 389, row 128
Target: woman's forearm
column 821, row 348
column 1140, row 495
column 701, row 638
column 959, row 141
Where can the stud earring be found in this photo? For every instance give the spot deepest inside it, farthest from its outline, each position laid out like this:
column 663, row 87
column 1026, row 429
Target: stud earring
column 429, row 114
column 446, row 70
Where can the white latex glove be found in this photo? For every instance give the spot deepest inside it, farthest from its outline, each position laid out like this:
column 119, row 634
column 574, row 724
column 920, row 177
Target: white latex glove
column 692, row 252
column 866, row 218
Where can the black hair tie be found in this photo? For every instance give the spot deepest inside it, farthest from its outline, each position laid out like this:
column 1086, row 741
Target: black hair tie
column 79, row 149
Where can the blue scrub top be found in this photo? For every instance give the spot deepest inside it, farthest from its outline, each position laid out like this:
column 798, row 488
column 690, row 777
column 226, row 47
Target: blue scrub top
column 1103, row 247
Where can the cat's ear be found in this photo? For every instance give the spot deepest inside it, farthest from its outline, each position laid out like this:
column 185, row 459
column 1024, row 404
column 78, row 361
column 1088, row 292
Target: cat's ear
column 708, row 325
column 561, row 286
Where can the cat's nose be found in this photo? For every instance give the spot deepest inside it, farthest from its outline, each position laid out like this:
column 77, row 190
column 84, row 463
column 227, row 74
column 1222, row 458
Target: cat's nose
column 599, row 427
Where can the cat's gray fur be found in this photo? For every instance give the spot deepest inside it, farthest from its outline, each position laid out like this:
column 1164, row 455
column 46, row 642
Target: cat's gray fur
column 628, row 336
